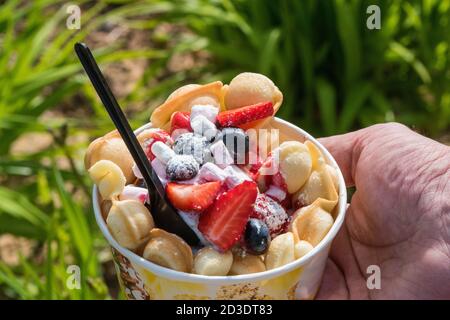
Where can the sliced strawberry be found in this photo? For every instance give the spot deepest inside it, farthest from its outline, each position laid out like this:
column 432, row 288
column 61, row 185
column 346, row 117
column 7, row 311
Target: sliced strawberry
column 224, row 222
column 192, row 197
column 272, row 213
column 243, row 115
column 155, row 135
column 180, row 120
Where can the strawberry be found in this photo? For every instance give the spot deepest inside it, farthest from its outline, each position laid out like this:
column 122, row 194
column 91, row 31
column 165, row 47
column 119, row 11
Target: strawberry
column 252, row 171
column 272, row 213
column 279, row 181
column 224, row 222
column 286, row 203
column 155, row 135
column 192, row 197
column 269, row 174
column 243, row 115
column 253, row 168
column 180, row 120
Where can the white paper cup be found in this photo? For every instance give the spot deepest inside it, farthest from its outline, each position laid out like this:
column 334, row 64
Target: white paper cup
column 300, row 279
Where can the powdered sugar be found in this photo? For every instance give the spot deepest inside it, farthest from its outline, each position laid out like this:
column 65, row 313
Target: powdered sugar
column 203, row 127
column 222, row 156
column 162, row 151
column 160, row 170
column 276, row 193
column 206, row 110
column 190, row 143
column 235, row 176
column 210, row 172
column 178, row 132
column 182, row 167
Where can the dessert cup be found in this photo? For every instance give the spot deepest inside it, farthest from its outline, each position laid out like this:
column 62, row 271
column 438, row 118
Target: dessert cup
column 300, row 279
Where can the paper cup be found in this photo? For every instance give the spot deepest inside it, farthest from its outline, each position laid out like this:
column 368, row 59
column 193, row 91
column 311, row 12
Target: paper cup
column 300, row 279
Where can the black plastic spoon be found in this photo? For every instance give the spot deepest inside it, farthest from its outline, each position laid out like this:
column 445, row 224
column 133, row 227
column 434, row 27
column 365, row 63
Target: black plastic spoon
column 163, row 212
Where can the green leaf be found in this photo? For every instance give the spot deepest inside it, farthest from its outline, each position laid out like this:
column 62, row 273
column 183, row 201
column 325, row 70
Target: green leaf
column 347, row 26
column 13, row 282
column 353, row 104
column 409, row 57
column 75, row 216
column 326, row 96
column 269, row 51
column 19, row 216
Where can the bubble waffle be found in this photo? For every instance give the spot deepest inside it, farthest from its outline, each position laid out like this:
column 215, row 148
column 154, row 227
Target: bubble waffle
column 168, row 250
column 109, row 178
column 312, row 224
column 130, row 223
column 281, row 251
column 110, row 147
column 273, row 210
column 210, row 262
column 319, row 185
column 295, row 164
column 250, row 88
column 247, row 263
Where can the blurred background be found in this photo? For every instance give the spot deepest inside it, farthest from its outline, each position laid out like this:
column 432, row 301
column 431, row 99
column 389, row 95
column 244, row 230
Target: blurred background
column 335, row 73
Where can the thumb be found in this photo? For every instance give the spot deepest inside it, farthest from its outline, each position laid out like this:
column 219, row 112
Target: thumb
column 345, row 149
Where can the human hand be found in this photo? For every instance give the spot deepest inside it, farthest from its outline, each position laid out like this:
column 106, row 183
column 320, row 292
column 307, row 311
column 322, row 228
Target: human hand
column 398, row 218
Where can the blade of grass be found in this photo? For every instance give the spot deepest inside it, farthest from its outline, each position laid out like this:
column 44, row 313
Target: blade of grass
column 352, row 105
column 326, row 97
column 78, row 227
column 349, row 39
column 13, row 282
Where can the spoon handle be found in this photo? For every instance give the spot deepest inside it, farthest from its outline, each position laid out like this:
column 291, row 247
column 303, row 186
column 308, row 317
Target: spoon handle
column 118, row 117
column 164, row 213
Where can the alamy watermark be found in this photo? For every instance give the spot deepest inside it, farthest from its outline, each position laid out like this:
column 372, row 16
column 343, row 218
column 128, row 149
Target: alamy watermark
column 73, row 281
column 374, row 279
column 73, row 21
column 374, row 20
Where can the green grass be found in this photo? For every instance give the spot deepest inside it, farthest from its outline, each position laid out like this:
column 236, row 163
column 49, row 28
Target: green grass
column 336, row 76
column 39, row 73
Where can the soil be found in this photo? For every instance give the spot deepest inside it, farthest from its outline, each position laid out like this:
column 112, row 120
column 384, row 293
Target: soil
column 11, row 247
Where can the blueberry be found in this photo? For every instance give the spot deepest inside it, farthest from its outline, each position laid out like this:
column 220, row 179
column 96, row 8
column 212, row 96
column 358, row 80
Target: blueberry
column 256, row 236
column 195, row 145
column 237, row 143
column 182, row 167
